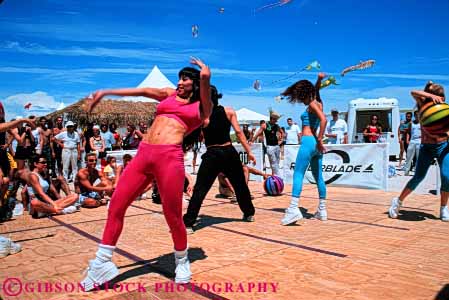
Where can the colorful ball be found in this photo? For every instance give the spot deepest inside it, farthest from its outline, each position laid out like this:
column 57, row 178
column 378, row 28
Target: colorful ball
column 273, row 185
column 434, row 118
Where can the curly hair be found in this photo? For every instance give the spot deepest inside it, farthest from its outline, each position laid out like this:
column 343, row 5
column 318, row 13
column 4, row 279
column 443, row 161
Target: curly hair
column 300, row 91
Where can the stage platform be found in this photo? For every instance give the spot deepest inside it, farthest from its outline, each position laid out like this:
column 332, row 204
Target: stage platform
column 359, row 253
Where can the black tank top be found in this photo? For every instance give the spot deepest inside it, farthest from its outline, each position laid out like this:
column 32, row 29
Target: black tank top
column 2, row 138
column 217, row 132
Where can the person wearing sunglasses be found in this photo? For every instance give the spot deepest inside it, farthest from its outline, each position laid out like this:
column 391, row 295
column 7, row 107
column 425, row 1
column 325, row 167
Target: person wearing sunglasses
column 44, row 198
column 373, row 130
column 91, row 184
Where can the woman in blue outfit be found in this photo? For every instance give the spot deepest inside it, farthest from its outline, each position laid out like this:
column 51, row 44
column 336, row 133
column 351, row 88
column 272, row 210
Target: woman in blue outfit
column 432, row 146
column 311, row 150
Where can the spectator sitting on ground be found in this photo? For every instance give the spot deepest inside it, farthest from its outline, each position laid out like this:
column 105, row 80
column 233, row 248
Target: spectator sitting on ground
column 224, row 185
column 110, row 170
column 92, row 184
column 40, row 192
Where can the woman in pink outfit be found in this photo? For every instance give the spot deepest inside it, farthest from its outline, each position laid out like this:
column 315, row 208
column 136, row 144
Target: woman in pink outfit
column 160, row 157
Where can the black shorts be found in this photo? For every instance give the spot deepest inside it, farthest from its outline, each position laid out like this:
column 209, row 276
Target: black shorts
column 23, row 153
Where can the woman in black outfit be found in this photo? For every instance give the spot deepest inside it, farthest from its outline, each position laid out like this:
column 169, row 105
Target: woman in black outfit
column 220, row 157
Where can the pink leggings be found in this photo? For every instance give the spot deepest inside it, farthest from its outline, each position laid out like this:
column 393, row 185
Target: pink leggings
column 165, row 163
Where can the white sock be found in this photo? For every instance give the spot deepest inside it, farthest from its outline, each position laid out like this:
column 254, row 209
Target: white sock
column 322, row 205
column 180, row 254
column 294, row 203
column 104, row 253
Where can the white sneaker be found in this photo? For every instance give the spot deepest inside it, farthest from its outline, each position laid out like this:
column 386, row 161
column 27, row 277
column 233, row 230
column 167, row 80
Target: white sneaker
column 291, row 216
column 69, row 210
column 394, row 208
column 444, row 214
column 99, row 273
column 182, row 271
column 8, row 247
column 321, row 214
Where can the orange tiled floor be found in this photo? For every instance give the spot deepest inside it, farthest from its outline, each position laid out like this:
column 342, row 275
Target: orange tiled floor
column 358, row 254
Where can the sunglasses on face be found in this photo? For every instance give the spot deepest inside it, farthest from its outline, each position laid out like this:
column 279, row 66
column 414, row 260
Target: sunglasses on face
column 43, row 162
column 91, row 160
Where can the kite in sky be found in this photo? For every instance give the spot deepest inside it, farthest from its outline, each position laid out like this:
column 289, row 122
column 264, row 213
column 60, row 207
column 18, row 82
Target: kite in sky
column 313, row 65
column 331, row 80
column 273, row 5
column 195, row 31
column 257, row 86
column 361, row 66
column 27, row 105
column 221, row 10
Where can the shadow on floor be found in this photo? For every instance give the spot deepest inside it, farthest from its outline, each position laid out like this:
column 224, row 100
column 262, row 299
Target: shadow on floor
column 163, row 265
column 205, row 220
column 443, row 294
column 304, row 211
column 410, row 215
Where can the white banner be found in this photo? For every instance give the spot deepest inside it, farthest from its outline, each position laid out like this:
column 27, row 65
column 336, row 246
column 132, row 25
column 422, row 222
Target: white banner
column 255, row 148
column 355, row 165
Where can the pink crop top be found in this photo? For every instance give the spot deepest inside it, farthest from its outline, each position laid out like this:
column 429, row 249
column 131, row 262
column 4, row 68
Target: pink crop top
column 188, row 114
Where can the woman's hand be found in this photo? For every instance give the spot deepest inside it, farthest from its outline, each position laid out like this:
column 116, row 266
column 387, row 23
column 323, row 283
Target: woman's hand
column 251, row 158
column 321, row 147
column 93, row 102
column 437, row 99
column 205, row 71
column 322, row 75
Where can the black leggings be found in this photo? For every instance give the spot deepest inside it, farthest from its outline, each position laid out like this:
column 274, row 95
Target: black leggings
column 217, row 160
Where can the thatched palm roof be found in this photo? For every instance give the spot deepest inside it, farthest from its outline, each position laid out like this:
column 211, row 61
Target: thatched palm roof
column 117, row 111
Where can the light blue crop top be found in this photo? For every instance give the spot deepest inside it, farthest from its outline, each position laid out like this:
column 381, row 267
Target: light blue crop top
column 310, row 119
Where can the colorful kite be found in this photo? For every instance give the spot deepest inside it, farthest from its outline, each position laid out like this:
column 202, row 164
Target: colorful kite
column 313, row 65
column 331, row 80
column 195, row 31
column 273, row 5
column 221, row 10
column 361, row 66
column 27, row 105
column 257, row 86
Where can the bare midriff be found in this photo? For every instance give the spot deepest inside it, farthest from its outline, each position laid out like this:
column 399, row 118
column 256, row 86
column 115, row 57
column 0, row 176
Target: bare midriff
column 165, row 131
column 306, row 130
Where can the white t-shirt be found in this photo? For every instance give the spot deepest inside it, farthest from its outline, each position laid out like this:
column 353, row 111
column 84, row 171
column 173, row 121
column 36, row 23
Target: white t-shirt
column 339, row 128
column 415, row 134
column 292, row 134
column 36, row 136
column 70, row 140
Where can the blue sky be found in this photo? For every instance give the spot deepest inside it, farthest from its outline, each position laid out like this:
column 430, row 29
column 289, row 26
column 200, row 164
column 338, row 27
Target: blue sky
column 54, row 51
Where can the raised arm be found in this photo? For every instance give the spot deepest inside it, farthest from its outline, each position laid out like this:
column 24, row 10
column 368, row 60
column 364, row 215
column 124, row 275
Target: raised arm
column 206, row 103
column 153, row 93
column 320, row 78
column 421, row 96
column 9, row 125
column 232, row 117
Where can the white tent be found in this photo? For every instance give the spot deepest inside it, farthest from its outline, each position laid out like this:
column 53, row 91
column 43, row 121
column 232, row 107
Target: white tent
column 247, row 116
column 155, row 80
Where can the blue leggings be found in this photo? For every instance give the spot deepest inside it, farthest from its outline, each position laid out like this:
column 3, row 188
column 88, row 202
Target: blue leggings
column 427, row 153
column 308, row 154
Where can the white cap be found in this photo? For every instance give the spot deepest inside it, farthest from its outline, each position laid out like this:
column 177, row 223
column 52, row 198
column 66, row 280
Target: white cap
column 96, row 127
column 69, row 123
